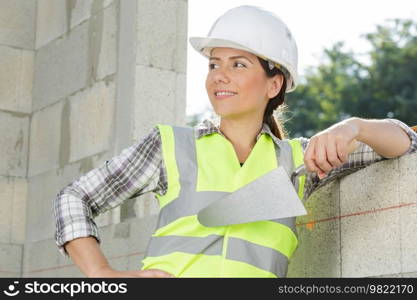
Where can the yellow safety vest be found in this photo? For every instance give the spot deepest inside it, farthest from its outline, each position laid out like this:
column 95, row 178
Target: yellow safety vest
column 200, row 171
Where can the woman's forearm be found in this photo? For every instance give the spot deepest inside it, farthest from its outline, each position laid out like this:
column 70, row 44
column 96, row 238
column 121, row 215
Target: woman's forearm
column 86, row 254
column 387, row 139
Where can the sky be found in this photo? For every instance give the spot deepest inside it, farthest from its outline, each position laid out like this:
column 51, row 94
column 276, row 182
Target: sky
column 315, row 25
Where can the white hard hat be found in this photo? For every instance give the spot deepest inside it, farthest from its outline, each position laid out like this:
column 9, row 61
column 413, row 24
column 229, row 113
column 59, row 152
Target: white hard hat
column 255, row 30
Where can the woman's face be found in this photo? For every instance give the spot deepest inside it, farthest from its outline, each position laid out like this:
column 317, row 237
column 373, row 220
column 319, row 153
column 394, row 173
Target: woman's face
column 237, row 84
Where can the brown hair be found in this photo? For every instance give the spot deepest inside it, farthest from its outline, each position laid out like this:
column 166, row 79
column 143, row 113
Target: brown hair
column 276, row 123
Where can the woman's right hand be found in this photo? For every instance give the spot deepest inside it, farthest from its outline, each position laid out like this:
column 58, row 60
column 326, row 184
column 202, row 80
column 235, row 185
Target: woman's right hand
column 87, row 255
column 111, row 273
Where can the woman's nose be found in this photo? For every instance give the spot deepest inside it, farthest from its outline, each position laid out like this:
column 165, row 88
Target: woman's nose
column 220, row 76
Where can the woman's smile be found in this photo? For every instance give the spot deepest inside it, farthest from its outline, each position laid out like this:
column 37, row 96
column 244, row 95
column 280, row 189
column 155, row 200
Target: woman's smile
column 223, row 94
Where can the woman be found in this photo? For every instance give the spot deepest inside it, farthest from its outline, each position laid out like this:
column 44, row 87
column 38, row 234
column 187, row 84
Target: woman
column 252, row 64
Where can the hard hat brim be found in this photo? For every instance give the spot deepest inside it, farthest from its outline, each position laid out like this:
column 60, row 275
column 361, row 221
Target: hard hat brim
column 203, row 45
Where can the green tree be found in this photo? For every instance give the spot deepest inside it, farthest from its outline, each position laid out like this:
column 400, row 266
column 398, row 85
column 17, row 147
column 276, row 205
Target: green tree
column 341, row 86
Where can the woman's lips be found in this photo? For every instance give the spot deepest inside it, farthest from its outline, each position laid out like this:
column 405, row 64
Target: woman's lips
column 224, row 94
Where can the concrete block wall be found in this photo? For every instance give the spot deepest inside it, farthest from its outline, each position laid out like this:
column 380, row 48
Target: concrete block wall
column 79, row 82
column 16, row 81
column 160, row 66
column 361, row 225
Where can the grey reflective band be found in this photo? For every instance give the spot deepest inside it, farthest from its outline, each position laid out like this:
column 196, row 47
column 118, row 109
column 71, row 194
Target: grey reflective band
column 289, row 222
column 284, row 155
column 268, row 197
column 259, row 256
column 262, row 257
column 189, row 202
column 163, row 245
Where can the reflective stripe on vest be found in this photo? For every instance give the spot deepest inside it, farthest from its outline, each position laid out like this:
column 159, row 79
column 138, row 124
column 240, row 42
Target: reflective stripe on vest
column 181, row 245
column 298, row 156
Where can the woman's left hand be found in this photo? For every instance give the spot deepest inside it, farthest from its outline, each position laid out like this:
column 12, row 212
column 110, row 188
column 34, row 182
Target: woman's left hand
column 329, row 148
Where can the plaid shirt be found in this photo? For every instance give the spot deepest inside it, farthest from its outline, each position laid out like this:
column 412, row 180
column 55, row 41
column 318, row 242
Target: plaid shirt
column 139, row 169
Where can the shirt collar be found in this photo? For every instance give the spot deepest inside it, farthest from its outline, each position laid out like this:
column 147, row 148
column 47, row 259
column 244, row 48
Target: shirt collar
column 209, row 126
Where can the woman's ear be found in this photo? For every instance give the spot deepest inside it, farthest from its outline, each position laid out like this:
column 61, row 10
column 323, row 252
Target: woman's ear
column 276, row 83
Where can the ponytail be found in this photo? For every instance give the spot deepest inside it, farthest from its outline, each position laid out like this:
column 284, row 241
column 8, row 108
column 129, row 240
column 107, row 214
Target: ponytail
column 276, row 106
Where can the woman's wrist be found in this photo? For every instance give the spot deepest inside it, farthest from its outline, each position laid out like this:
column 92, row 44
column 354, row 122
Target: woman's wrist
column 360, row 127
column 101, row 271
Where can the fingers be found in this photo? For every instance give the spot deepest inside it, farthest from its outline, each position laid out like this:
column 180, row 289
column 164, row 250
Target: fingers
column 321, row 157
column 323, row 154
column 309, row 157
column 341, row 152
column 330, row 148
column 333, row 155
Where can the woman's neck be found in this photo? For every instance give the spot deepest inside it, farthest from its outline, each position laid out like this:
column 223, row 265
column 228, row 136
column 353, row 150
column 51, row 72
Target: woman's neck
column 242, row 134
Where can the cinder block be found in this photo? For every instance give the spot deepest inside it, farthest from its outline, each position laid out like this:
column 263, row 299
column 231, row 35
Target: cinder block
column 20, row 199
column 112, row 244
column 17, row 23
column 370, row 244
column 318, row 253
column 40, row 259
column 62, row 67
column 370, row 228
column 16, row 77
column 180, row 99
column 45, row 139
column 128, row 209
column 182, row 37
column 13, row 194
column 135, row 261
column 154, row 100
column 323, row 233
column 6, row 201
column 297, row 263
column 125, row 243
column 373, row 187
column 91, row 120
column 161, row 34
column 55, row 18
column 14, row 136
column 84, row 9
column 43, row 189
column 107, row 56
column 141, row 230
column 10, row 260
column 145, row 205
column 40, row 219
column 408, row 213
column 107, row 218
column 51, row 21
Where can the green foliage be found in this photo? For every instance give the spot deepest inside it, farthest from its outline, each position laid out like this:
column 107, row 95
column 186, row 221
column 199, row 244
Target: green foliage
column 341, row 86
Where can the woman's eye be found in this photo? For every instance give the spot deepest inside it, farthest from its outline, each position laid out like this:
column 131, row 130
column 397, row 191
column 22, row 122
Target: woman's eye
column 238, row 63
column 212, row 65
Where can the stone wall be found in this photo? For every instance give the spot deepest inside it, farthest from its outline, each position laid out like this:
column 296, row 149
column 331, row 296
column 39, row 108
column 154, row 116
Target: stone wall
column 79, row 82
column 361, row 225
